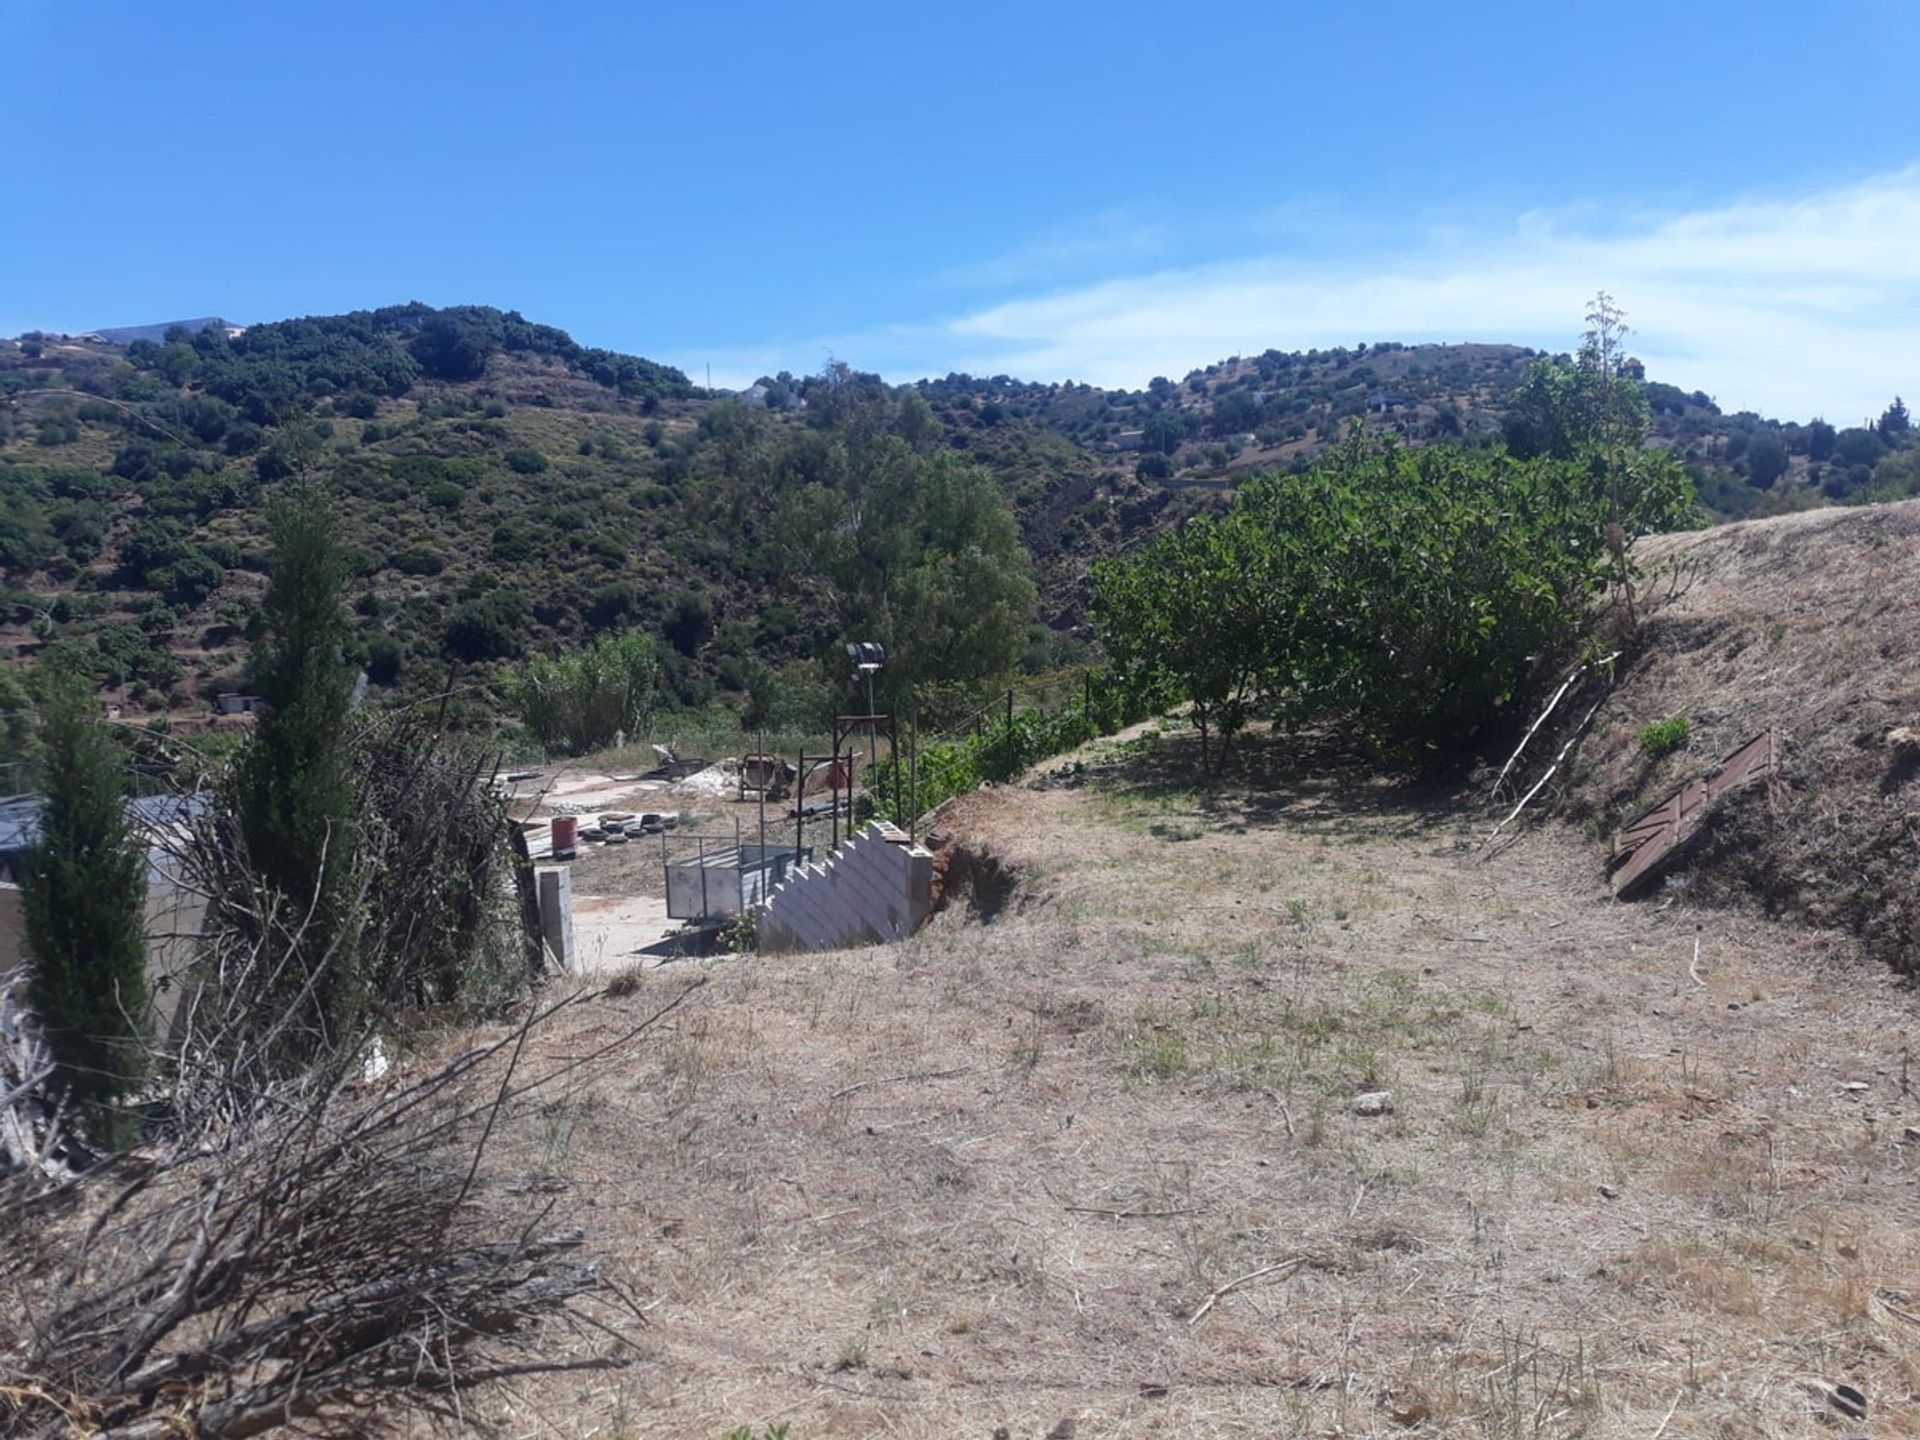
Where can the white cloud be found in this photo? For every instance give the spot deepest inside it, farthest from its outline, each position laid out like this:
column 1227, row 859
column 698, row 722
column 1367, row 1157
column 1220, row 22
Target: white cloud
column 1102, row 241
column 1789, row 305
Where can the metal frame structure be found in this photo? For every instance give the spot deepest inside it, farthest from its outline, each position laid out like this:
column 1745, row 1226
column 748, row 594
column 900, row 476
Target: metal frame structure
column 845, row 727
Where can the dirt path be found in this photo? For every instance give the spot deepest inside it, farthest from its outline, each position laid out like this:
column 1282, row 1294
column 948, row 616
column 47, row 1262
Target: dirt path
column 1098, row 1160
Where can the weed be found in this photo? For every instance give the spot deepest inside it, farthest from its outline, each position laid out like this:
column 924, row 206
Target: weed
column 1317, row 1126
column 1477, row 1120
column 1534, row 1391
column 741, row 934
column 1663, row 737
column 1028, row 1049
column 1158, row 1052
column 852, row 1356
column 1473, row 1087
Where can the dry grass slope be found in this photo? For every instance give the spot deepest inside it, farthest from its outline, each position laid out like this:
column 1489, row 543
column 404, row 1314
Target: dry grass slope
column 1097, row 1161
column 1805, row 625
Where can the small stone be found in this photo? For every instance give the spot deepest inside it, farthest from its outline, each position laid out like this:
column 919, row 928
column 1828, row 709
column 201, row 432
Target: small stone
column 1854, row 1087
column 1607, row 1192
column 1374, row 1102
column 1848, row 1401
column 1911, row 1135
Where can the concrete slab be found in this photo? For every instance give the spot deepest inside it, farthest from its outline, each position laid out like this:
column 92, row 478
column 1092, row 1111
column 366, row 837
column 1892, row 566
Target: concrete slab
column 612, row 933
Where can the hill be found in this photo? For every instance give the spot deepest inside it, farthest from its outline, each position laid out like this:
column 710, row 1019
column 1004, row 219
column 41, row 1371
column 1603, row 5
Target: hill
column 1280, row 409
column 1801, row 626
column 508, row 489
column 157, row 334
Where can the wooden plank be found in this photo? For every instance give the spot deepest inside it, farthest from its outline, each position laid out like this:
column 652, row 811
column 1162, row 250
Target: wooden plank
column 1642, row 848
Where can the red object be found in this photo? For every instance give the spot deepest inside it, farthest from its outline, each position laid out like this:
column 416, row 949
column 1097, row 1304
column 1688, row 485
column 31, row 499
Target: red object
column 566, row 832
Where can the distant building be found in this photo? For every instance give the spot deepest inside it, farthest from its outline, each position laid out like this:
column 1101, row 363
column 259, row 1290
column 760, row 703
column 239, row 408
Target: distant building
column 235, row 704
column 1384, row 403
column 1130, row 440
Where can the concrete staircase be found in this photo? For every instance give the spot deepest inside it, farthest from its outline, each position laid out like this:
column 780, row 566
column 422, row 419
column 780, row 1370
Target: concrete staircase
column 878, row 888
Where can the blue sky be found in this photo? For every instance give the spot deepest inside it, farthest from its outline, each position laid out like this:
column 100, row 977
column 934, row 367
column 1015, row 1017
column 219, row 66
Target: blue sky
column 1097, row 192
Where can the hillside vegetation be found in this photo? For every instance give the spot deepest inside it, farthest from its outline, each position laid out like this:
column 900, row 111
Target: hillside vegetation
column 507, row 491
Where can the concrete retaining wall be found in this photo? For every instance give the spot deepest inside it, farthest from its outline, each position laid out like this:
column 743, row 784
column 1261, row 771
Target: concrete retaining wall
column 878, row 888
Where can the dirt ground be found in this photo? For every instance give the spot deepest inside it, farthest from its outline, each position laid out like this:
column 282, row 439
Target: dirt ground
column 620, row 906
column 1083, row 1157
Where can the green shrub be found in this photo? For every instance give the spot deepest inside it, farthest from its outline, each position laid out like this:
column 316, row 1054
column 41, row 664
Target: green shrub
column 583, row 700
column 526, row 462
column 488, row 627
column 385, row 657
column 1663, row 737
column 418, row 560
column 1002, row 752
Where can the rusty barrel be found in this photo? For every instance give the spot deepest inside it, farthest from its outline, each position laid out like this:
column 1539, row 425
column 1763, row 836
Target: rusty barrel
column 566, row 834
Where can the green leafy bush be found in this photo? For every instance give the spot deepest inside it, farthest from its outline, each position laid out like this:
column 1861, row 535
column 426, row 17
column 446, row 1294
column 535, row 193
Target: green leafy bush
column 1002, row 751
column 1407, row 594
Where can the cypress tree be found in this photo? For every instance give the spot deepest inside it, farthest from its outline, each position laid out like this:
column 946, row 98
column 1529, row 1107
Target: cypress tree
column 83, row 895
column 296, row 796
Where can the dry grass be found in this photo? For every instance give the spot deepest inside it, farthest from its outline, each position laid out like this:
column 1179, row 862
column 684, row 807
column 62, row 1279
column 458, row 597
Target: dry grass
column 986, row 1178
column 1804, row 625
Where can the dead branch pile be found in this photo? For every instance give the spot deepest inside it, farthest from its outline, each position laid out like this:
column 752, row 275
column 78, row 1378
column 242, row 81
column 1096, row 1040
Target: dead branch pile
column 32, row 1135
column 435, row 844
column 432, row 898
column 343, row 1254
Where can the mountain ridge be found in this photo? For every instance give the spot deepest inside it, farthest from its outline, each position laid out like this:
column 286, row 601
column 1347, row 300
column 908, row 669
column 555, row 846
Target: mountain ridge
column 478, row 455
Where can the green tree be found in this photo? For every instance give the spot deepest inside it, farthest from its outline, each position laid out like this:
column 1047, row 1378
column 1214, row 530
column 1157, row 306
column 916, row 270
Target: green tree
column 1593, row 410
column 1163, row 432
column 934, row 570
column 487, row 627
column 1198, row 611
column 1408, row 594
column 295, row 787
column 83, row 895
column 1895, row 422
column 1766, row 460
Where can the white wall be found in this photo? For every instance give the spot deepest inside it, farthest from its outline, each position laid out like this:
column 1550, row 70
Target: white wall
column 878, row 888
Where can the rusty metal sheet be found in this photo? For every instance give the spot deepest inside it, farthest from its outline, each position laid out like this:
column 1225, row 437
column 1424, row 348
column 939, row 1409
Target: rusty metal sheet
column 1642, row 847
